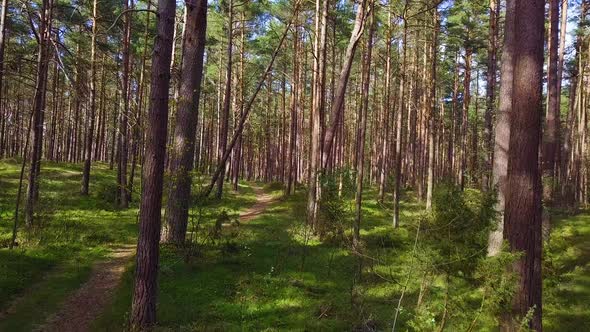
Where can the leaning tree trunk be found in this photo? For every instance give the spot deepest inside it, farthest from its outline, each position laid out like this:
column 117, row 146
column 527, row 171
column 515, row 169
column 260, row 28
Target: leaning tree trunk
column 183, row 149
column 337, row 110
column 523, row 198
column 143, row 308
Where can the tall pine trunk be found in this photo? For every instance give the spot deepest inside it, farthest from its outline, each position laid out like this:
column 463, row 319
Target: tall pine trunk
column 522, row 226
column 143, row 308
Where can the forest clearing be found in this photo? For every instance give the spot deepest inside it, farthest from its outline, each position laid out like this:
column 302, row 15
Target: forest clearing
column 294, row 165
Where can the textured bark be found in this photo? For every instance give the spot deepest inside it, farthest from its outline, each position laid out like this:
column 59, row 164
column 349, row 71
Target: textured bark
column 183, row 149
column 143, row 308
column 523, row 198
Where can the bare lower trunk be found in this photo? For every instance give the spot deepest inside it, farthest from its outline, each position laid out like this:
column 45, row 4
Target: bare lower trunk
column 143, row 308
column 523, row 198
column 183, row 149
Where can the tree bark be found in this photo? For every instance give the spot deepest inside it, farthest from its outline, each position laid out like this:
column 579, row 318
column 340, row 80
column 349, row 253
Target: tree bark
column 523, row 200
column 183, row 149
column 143, row 308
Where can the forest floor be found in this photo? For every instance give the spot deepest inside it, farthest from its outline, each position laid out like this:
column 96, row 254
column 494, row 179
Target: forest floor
column 264, row 273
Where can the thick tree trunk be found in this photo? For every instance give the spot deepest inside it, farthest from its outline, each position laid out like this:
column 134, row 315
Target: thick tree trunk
column 143, row 308
column 183, row 149
column 523, row 198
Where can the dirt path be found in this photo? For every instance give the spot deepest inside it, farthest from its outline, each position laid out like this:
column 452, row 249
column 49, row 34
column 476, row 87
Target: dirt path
column 81, row 308
column 263, row 200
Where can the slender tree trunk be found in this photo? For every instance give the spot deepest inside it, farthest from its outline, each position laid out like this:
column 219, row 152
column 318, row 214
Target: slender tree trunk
column 223, row 131
column 39, row 108
column 3, row 108
column 362, row 128
column 318, row 102
column 502, row 129
column 399, row 128
column 338, row 104
column 123, row 130
column 92, row 109
column 523, row 198
column 143, row 308
column 248, row 107
column 551, row 137
column 490, row 92
column 561, row 157
column 432, row 116
column 465, row 115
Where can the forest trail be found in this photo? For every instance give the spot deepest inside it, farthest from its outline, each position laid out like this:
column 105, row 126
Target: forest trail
column 263, row 200
column 81, row 308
